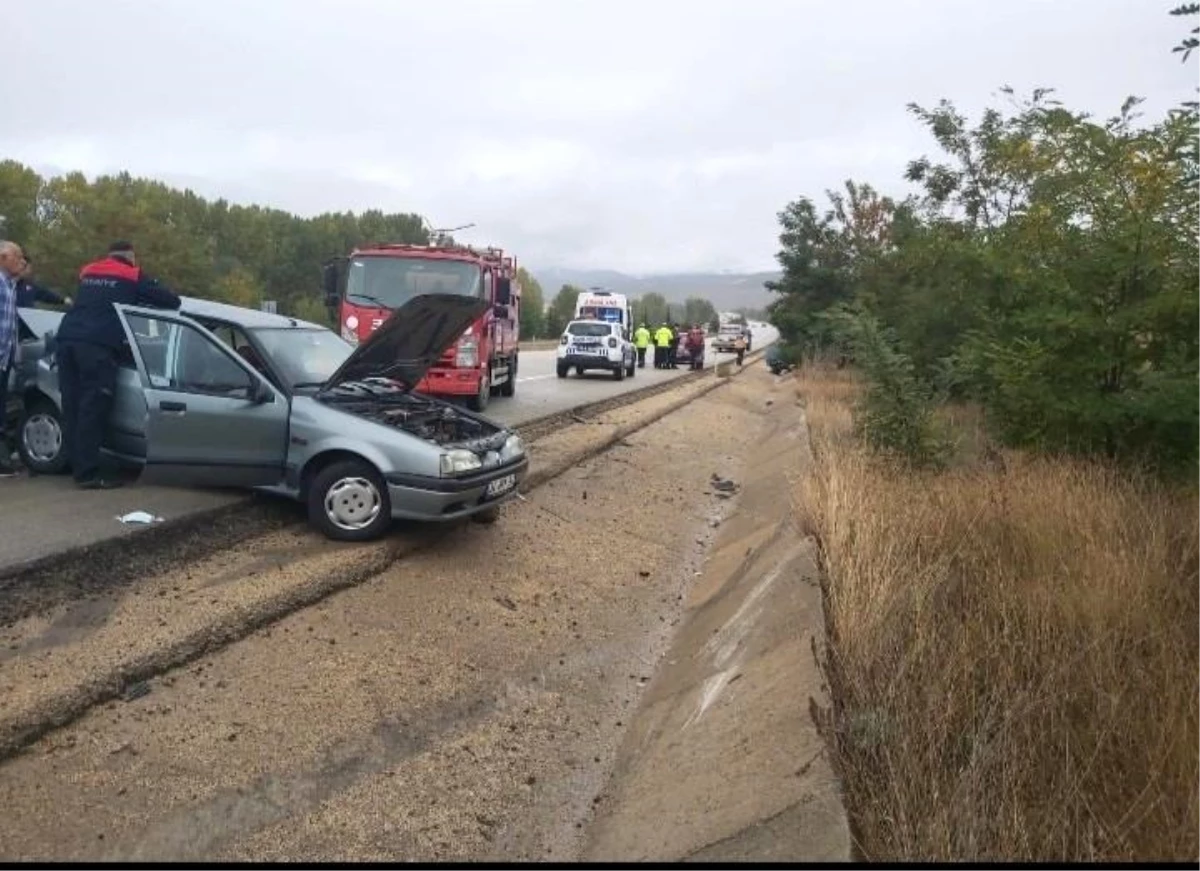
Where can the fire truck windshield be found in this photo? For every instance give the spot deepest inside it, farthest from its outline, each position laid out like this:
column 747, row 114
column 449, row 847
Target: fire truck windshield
column 390, row 282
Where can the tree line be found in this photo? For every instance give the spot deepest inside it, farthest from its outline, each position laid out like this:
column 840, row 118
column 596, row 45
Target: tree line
column 216, row 250
column 210, row 249
column 1046, row 270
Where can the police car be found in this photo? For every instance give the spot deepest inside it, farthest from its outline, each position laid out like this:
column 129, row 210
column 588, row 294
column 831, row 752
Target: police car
column 592, row 344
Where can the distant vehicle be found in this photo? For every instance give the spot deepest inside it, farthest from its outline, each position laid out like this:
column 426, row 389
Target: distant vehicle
column 778, row 361
column 598, row 304
column 364, row 289
column 595, row 344
column 726, row 336
column 222, row 396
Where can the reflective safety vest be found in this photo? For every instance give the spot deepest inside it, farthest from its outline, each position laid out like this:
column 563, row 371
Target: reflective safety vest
column 641, row 337
column 662, row 337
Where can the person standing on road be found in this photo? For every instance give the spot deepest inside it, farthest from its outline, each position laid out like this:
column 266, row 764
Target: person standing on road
column 30, row 294
column 641, row 341
column 12, row 261
column 739, row 347
column 90, row 338
column 673, row 353
column 662, row 346
column 695, row 345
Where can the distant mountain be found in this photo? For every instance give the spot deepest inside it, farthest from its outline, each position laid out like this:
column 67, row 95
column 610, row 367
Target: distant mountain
column 726, row 291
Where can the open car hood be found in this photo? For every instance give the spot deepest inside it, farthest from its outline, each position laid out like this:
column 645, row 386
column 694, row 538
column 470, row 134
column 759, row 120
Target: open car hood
column 411, row 340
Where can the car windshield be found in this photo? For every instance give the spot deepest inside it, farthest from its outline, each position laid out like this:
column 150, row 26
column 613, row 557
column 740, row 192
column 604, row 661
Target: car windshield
column 589, row 329
column 390, row 282
column 305, row 357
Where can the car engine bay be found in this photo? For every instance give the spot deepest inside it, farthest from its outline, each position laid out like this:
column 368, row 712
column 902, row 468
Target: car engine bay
column 436, row 421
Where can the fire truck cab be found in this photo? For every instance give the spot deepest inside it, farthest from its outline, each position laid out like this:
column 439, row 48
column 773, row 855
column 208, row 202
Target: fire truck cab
column 366, row 287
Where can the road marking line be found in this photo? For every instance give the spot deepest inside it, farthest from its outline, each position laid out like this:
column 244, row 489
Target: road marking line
column 536, row 378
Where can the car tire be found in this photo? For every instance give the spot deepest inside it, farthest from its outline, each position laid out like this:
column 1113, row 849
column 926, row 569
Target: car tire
column 631, row 369
column 509, row 387
column 479, row 402
column 40, row 439
column 562, row 370
column 348, row 501
column 619, row 372
column 579, row 371
column 487, row 516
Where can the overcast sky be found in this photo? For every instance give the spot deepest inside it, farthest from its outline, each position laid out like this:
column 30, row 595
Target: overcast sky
column 643, row 136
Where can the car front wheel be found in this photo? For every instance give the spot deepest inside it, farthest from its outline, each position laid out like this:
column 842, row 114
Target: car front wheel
column 40, row 439
column 348, row 501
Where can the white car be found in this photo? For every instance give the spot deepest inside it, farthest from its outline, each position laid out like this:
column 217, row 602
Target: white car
column 588, row 344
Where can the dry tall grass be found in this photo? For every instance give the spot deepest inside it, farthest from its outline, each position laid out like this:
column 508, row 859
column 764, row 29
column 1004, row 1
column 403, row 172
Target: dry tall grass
column 1015, row 652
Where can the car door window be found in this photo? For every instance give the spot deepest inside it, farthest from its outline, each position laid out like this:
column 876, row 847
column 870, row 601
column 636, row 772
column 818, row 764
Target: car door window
column 179, row 357
column 236, row 338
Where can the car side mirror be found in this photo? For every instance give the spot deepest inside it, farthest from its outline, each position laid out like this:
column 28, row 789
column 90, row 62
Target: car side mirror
column 329, row 284
column 261, row 394
column 503, row 290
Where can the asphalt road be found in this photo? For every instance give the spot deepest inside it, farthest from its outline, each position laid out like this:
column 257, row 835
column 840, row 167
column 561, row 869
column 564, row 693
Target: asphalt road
column 540, row 391
column 46, row 515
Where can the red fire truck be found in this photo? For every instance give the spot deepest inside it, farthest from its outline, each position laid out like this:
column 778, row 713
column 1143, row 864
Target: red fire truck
column 366, row 287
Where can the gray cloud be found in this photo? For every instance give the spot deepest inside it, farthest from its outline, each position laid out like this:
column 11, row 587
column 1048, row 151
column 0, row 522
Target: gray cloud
column 652, row 135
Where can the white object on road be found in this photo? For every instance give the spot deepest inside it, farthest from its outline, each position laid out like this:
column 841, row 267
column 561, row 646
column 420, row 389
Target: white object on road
column 138, row 517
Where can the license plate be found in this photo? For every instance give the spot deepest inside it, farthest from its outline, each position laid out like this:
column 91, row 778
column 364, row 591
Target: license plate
column 500, row 485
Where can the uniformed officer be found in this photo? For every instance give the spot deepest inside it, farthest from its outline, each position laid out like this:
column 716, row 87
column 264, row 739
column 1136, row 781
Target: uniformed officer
column 90, row 338
column 641, row 341
column 662, row 345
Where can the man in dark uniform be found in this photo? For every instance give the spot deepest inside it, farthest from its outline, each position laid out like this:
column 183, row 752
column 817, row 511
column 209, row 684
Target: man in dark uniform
column 90, row 337
column 30, row 294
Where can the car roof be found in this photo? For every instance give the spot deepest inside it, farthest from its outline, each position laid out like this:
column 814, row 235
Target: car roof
column 593, row 321
column 241, row 316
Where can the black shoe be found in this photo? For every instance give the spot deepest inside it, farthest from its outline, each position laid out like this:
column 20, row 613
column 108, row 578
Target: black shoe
column 100, row 484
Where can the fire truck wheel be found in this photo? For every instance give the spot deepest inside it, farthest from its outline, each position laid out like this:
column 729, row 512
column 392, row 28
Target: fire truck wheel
column 479, row 401
column 509, row 387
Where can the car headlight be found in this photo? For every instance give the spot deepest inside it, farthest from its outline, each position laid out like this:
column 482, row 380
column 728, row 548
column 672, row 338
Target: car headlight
column 457, row 462
column 513, row 448
column 564, row 339
column 612, row 342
